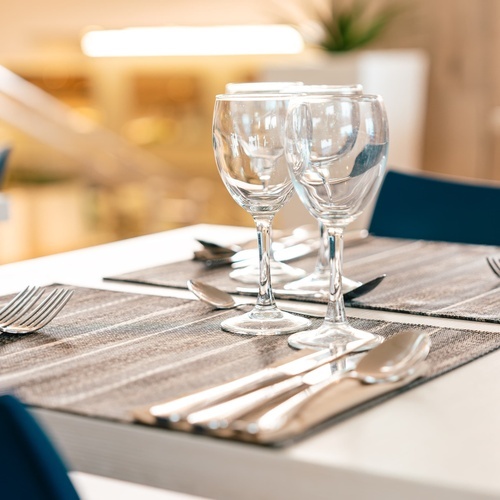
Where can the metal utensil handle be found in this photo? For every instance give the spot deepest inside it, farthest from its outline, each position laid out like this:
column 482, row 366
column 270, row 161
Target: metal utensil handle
column 276, row 418
column 221, row 415
column 178, row 409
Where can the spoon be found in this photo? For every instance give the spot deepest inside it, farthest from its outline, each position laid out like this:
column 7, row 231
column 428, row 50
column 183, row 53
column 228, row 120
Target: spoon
column 391, row 361
column 222, row 300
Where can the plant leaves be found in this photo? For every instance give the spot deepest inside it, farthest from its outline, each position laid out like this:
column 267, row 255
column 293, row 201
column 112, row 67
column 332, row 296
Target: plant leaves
column 348, row 28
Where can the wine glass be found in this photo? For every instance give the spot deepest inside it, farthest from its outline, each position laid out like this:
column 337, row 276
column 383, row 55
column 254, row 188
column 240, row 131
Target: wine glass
column 248, row 146
column 319, row 279
column 336, row 148
column 281, row 272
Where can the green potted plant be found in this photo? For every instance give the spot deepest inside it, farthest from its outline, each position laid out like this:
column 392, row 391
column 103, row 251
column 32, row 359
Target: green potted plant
column 350, row 26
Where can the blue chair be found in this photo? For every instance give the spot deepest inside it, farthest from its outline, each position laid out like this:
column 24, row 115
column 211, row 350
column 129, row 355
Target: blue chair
column 4, row 156
column 30, row 467
column 421, row 206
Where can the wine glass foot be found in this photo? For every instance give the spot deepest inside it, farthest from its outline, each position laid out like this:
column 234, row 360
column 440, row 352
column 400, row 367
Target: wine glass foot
column 265, row 321
column 315, row 282
column 333, row 335
column 280, row 272
column 320, row 282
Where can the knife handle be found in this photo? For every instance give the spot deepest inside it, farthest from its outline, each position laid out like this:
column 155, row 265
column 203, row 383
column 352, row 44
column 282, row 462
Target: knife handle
column 177, row 409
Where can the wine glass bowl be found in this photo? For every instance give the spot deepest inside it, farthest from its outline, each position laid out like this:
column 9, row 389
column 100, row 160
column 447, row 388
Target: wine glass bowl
column 336, row 147
column 248, row 134
column 247, row 159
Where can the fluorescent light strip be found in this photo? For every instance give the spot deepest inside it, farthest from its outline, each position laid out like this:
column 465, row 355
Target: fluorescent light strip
column 190, row 41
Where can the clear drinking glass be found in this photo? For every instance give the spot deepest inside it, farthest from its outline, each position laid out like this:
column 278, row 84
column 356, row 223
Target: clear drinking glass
column 248, row 146
column 281, row 272
column 336, row 147
column 319, row 279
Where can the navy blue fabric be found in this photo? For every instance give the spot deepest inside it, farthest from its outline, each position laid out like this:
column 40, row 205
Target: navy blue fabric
column 4, row 155
column 30, row 468
column 417, row 206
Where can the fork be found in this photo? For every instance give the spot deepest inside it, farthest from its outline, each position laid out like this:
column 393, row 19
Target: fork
column 25, row 314
column 494, row 263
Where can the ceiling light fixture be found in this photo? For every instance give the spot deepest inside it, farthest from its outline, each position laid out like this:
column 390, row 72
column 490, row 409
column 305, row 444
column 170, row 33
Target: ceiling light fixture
column 191, row 41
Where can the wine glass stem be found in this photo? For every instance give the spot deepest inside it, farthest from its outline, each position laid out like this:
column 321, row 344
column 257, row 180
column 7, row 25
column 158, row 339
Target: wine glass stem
column 322, row 262
column 263, row 223
column 335, row 312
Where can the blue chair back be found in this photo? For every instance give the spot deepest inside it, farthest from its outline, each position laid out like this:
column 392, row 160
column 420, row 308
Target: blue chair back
column 419, row 206
column 30, row 467
column 4, row 155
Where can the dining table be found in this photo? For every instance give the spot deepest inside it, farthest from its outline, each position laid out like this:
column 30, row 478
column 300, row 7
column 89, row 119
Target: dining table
column 438, row 440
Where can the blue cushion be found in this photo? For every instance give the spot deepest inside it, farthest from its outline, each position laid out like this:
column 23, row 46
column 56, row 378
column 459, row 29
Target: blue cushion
column 30, row 467
column 419, row 206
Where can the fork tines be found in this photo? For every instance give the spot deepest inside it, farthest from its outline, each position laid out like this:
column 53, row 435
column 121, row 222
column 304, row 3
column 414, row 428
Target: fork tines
column 24, row 313
column 494, row 263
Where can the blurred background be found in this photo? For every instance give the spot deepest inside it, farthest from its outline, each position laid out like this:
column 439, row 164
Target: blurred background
column 106, row 148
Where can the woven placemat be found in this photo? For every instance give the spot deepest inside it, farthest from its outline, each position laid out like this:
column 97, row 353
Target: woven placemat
column 110, row 352
column 423, row 277
column 176, row 275
column 434, row 279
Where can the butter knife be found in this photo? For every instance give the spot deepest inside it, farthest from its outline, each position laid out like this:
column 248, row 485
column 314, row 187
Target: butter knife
column 175, row 411
column 280, row 293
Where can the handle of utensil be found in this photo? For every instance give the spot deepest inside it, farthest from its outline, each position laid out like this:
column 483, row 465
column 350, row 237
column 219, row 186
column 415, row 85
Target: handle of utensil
column 178, row 409
column 175, row 411
column 221, row 415
column 277, row 417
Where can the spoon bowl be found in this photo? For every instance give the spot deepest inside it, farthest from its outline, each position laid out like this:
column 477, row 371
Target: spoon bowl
column 392, row 359
column 212, row 295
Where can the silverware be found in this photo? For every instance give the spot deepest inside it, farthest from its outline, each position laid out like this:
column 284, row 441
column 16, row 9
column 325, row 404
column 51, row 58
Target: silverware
column 389, row 361
column 25, row 314
column 172, row 412
column 283, row 239
column 399, row 357
column 494, row 263
column 246, row 257
column 291, row 247
column 281, row 293
column 219, row 299
column 364, row 288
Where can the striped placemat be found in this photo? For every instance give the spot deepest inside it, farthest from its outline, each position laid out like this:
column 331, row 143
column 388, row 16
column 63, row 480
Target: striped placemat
column 423, row 277
column 176, row 275
column 110, row 352
column 435, row 279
